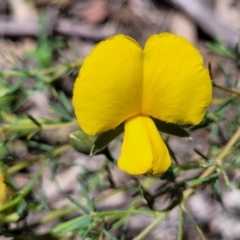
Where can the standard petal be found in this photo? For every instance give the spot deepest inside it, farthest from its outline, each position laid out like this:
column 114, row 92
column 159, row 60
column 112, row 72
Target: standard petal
column 143, row 150
column 109, row 87
column 176, row 86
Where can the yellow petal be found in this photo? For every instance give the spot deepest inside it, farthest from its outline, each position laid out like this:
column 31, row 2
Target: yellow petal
column 2, row 190
column 143, row 150
column 108, row 88
column 6, row 192
column 176, row 86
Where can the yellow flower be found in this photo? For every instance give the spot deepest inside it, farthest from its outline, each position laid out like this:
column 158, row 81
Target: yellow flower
column 121, row 82
column 6, row 192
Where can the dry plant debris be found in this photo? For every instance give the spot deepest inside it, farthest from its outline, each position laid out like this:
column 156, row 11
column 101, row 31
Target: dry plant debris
column 64, row 194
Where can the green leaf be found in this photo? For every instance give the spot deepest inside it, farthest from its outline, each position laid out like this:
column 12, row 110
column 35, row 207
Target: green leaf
column 77, row 203
column 222, row 107
column 201, row 154
column 235, row 159
column 226, row 75
column 21, row 207
column 218, row 48
column 213, row 117
column 105, row 138
column 84, row 233
column 76, row 223
column 180, row 224
column 217, row 191
column 226, row 179
column 4, row 90
column 35, row 121
column 200, row 232
column 61, row 112
column 16, row 85
column 171, row 128
column 81, row 141
column 120, row 222
column 40, row 146
column 203, row 180
column 108, row 235
column 65, row 102
column 171, row 173
column 210, row 70
column 85, row 194
column 172, row 154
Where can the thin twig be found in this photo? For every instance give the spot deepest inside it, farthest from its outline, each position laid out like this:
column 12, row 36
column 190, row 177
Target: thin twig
column 188, row 192
column 62, row 26
column 205, row 18
column 226, row 89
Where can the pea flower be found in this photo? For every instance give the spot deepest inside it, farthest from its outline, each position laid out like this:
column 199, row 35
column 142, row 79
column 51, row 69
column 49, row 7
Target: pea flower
column 6, row 192
column 120, row 82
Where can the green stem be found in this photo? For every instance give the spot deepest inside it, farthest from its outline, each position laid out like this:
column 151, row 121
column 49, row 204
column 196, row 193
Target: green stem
column 180, row 225
column 37, row 72
column 152, row 225
column 226, row 89
column 24, row 163
column 200, row 232
column 188, row 192
column 23, row 193
column 122, row 212
column 53, row 215
column 12, row 218
column 30, row 126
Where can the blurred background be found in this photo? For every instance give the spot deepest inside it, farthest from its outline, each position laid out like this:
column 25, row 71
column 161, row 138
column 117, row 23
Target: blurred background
column 42, row 46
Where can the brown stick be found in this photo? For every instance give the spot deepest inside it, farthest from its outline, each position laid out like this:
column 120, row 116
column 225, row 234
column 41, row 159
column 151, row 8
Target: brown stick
column 207, row 21
column 62, row 26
